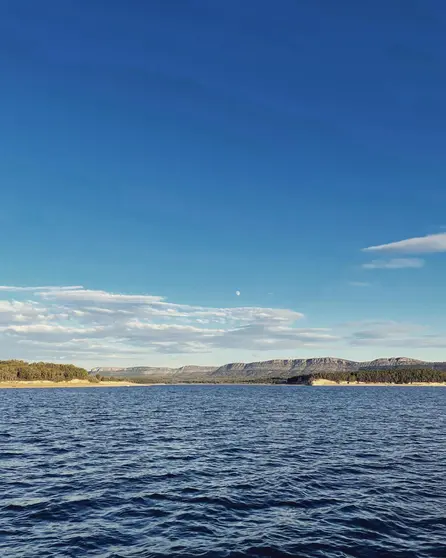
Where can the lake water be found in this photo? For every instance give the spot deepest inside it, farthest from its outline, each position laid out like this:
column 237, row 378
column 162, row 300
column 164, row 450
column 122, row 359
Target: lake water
column 223, row 471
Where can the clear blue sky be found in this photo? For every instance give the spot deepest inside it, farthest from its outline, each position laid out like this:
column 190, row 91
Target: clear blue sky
column 188, row 149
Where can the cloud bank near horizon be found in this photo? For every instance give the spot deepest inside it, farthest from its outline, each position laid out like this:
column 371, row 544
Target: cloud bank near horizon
column 94, row 326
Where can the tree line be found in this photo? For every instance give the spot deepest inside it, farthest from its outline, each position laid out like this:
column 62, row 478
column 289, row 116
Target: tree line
column 385, row 376
column 19, row 370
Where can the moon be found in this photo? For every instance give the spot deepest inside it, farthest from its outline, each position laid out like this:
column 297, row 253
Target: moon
column 238, row 293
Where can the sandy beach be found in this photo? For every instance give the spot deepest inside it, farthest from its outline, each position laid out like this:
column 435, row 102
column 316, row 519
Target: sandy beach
column 69, row 384
column 323, row 382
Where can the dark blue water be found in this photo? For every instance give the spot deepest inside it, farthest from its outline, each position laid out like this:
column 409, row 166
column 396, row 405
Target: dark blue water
column 226, row 471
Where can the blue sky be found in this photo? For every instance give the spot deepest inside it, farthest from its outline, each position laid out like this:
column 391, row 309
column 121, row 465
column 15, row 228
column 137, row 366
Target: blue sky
column 184, row 150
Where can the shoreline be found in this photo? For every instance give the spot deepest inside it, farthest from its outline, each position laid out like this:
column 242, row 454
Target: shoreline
column 323, row 382
column 86, row 384
column 68, row 384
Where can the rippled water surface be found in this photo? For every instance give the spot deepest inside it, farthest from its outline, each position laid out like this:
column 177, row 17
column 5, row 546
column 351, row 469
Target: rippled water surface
column 216, row 471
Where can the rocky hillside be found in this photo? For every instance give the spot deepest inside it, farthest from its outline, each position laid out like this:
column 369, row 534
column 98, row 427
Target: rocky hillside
column 283, row 368
column 264, row 369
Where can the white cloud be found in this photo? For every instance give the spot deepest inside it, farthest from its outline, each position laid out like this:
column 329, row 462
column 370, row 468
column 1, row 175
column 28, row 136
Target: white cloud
column 88, row 322
column 14, row 311
column 418, row 245
column 395, row 263
column 86, row 295
column 359, row 284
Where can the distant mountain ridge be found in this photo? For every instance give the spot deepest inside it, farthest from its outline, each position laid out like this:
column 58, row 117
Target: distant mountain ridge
column 279, row 368
column 393, row 362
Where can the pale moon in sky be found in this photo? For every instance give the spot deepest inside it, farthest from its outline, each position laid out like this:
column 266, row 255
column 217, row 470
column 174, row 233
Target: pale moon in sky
column 237, row 293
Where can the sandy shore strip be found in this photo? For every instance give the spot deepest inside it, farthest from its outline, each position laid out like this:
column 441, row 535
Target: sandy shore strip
column 323, row 382
column 69, row 384
column 87, row 384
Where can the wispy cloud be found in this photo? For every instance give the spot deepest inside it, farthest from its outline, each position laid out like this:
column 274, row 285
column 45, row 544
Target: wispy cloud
column 14, row 289
column 395, row 263
column 360, row 284
column 391, row 334
column 418, row 245
column 84, row 322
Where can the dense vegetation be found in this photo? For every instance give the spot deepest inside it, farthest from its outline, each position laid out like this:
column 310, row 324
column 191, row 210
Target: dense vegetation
column 388, row 376
column 18, row 370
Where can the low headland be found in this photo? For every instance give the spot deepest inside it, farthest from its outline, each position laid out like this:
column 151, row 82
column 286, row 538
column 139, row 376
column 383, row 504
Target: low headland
column 20, row 374
column 67, row 384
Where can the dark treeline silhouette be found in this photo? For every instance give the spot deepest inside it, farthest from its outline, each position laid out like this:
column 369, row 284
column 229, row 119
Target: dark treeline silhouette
column 149, row 380
column 17, row 370
column 387, row 376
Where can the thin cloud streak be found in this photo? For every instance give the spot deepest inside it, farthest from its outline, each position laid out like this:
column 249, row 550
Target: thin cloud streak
column 417, row 245
column 14, row 289
column 395, row 263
